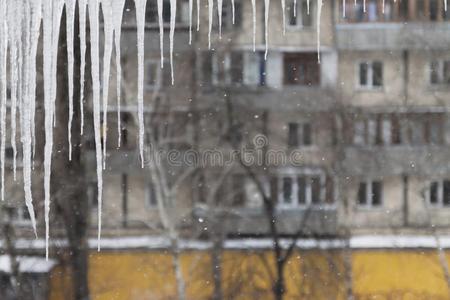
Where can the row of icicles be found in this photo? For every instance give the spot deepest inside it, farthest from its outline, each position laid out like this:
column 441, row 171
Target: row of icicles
column 20, row 28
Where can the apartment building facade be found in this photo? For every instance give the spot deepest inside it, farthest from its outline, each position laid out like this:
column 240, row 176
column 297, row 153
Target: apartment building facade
column 368, row 125
column 370, row 120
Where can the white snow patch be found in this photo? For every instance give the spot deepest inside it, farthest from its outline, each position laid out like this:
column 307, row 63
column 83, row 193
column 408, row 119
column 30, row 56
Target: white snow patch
column 27, row 264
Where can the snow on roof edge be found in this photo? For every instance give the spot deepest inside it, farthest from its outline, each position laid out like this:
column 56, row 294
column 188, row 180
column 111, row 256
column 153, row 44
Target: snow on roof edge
column 161, row 242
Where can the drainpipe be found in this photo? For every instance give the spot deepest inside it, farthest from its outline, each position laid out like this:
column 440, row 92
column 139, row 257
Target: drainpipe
column 405, row 200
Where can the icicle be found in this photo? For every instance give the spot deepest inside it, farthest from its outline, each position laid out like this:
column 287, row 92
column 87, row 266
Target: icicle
column 3, row 84
column 13, row 61
column 319, row 14
column 51, row 21
column 140, row 19
column 108, row 30
column 445, row 5
column 95, row 73
column 161, row 31
column 198, row 15
column 384, row 4
column 219, row 12
column 25, row 106
column 190, row 21
column 343, row 8
column 295, row 8
column 307, row 6
column 70, row 16
column 364, row 6
column 283, row 8
column 36, row 13
column 254, row 24
column 233, row 11
column 173, row 14
column 82, row 21
column 266, row 25
column 118, row 6
column 210, row 18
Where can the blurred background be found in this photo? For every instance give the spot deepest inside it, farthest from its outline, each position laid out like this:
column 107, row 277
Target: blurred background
column 318, row 172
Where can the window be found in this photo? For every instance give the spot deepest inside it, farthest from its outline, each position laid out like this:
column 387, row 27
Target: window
column 371, row 75
column 301, row 69
column 151, row 13
column 303, row 189
column 299, row 134
column 226, row 68
column 20, row 216
column 150, row 195
column 299, row 17
column 375, row 130
column 227, row 16
column 153, row 74
column 235, row 68
column 440, row 72
column 439, row 193
column 370, row 194
column 287, row 190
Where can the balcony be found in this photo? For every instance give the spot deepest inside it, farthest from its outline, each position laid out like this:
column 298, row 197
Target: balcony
column 396, row 160
column 393, row 36
column 321, row 220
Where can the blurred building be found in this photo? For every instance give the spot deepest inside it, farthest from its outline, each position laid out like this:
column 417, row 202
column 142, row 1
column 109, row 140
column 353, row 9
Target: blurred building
column 356, row 144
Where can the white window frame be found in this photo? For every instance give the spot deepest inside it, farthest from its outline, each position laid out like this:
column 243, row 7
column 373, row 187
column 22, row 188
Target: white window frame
column 298, row 15
column 158, row 81
column 307, row 174
column 227, row 68
column 369, row 86
column 440, row 202
column 20, row 220
column 301, row 134
column 441, row 79
column 369, row 188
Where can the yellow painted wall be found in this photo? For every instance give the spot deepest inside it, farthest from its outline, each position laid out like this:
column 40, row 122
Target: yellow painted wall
column 406, row 275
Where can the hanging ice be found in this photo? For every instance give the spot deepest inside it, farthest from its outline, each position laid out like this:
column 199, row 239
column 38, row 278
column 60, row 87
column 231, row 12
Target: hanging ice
column 295, row 8
column 198, row 15
column 95, row 70
column 173, row 14
column 283, row 8
column 233, row 11
column 13, row 34
column 51, row 21
column 108, row 32
column 219, row 12
column 161, row 30
column 266, row 25
column 3, row 86
column 254, row 24
column 190, row 21
column 118, row 6
column 319, row 14
column 82, row 15
column 210, row 20
column 140, row 20
column 30, row 33
column 70, row 17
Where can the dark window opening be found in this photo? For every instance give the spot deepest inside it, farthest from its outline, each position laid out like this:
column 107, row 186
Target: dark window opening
column 301, row 69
